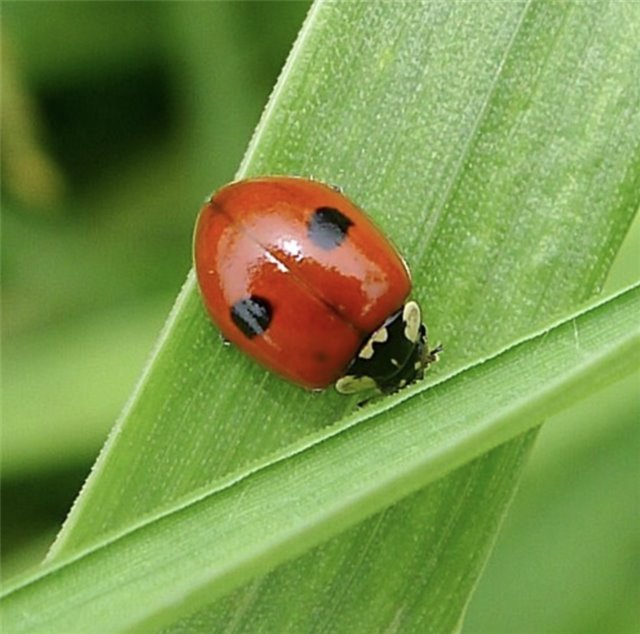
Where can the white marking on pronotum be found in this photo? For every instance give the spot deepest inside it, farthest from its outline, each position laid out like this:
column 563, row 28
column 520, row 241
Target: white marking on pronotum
column 351, row 384
column 411, row 317
column 379, row 336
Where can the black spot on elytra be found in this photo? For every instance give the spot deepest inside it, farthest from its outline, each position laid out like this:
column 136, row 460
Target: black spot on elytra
column 252, row 315
column 328, row 227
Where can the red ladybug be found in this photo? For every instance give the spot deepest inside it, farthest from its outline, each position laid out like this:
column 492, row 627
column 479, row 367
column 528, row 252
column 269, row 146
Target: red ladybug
column 299, row 278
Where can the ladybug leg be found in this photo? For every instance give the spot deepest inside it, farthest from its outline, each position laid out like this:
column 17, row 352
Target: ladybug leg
column 369, row 399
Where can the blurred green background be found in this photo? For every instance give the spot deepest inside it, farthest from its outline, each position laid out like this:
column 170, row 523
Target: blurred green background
column 117, row 120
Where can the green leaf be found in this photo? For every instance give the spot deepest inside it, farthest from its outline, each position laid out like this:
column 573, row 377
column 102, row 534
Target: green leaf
column 573, row 524
column 257, row 519
column 498, row 144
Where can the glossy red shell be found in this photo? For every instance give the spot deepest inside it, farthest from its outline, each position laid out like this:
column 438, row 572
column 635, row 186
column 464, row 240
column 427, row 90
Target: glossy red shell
column 252, row 239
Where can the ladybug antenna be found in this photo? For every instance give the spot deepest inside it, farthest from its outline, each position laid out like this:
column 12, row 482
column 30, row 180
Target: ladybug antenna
column 432, row 355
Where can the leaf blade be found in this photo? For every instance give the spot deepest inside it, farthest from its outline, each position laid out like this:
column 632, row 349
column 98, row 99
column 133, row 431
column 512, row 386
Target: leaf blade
column 222, row 540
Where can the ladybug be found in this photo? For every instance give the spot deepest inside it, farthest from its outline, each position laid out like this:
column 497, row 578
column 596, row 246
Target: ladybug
column 300, row 279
